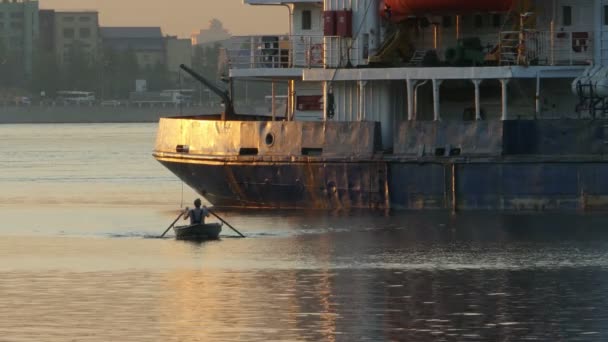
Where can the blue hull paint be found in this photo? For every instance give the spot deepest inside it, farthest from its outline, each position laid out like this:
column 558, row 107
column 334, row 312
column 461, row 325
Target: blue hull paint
column 467, row 186
column 500, row 186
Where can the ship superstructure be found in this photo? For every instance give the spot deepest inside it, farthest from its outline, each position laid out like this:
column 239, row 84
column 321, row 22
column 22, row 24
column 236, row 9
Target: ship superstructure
column 414, row 104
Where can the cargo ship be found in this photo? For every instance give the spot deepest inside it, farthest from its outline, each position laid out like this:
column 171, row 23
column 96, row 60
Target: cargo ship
column 411, row 104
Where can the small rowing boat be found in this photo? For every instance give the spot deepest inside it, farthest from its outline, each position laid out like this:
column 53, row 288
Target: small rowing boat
column 209, row 231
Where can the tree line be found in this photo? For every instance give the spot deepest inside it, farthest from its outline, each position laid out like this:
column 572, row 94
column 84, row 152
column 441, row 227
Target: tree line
column 110, row 74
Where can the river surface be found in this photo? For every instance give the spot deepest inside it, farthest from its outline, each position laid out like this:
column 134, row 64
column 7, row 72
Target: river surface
column 80, row 206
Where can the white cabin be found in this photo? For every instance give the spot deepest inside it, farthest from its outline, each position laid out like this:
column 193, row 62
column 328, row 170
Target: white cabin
column 451, row 66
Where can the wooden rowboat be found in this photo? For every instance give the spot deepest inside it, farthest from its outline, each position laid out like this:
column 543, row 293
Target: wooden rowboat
column 198, row 232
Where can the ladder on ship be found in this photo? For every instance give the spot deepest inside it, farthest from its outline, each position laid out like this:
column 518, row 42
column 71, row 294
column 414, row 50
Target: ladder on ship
column 509, row 43
column 396, row 48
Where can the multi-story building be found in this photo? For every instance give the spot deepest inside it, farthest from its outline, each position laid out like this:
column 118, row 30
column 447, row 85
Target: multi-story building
column 76, row 27
column 179, row 51
column 19, row 30
column 147, row 43
column 46, row 39
column 214, row 33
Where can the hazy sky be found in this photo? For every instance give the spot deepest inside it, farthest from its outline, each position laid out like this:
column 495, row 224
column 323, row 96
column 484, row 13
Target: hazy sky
column 182, row 17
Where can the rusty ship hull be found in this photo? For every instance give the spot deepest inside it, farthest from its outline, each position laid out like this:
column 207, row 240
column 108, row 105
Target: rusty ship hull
column 487, row 165
column 500, row 185
column 286, row 185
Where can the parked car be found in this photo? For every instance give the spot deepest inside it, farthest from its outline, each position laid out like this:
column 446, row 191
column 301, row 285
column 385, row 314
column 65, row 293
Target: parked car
column 23, row 101
column 111, row 103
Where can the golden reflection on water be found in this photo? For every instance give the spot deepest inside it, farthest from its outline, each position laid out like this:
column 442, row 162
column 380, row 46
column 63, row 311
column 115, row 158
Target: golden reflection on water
column 226, row 304
column 218, row 305
column 328, row 316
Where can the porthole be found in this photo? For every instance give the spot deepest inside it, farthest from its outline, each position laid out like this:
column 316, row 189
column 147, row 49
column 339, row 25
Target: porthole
column 269, row 139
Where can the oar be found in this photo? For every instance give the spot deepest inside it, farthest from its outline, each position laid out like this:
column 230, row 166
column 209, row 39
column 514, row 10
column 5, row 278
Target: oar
column 172, row 224
column 228, row 224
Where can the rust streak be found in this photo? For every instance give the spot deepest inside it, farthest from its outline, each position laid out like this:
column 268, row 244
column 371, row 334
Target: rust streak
column 233, row 184
column 454, row 195
column 387, row 198
column 311, row 185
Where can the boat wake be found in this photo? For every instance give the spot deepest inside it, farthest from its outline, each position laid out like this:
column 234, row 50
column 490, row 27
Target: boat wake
column 227, row 234
column 131, row 235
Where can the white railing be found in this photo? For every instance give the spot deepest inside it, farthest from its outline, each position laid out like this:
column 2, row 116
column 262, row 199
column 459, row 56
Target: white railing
column 343, row 52
column 297, row 51
column 276, row 52
column 532, row 47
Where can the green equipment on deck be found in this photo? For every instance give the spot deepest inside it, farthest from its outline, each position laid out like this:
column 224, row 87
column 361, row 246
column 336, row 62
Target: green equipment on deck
column 468, row 52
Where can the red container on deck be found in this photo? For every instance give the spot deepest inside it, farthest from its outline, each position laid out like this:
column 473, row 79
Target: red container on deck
column 344, row 26
column 401, row 9
column 329, row 23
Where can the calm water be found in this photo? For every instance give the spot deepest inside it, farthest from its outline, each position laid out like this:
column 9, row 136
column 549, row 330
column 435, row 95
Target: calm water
column 80, row 203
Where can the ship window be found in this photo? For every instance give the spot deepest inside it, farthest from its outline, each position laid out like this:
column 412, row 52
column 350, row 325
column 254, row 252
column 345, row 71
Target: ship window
column 497, row 20
column 306, row 20
column 467, row 21
column 478, row 21
column 446, row 21
column 566, row 15
column 605, row 15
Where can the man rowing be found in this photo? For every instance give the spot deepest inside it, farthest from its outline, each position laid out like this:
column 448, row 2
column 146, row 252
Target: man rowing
column 198, row 214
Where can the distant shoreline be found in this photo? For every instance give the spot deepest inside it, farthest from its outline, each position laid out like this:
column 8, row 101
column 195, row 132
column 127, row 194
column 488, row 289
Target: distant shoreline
column 94, row 114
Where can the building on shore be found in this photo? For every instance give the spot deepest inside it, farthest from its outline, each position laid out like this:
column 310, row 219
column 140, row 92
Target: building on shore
column 179, row 51
column 214, row 33
column 147, row 43
column 19, row 31
column 46, row 24
column 74, row 30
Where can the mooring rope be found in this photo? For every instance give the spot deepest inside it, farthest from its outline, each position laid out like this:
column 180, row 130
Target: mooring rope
column 182, row 203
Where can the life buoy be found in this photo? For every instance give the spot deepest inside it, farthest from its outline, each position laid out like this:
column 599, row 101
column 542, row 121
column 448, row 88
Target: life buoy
column 316, row 54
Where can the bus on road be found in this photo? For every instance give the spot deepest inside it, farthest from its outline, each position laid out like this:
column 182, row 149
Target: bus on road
column 75, row 97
